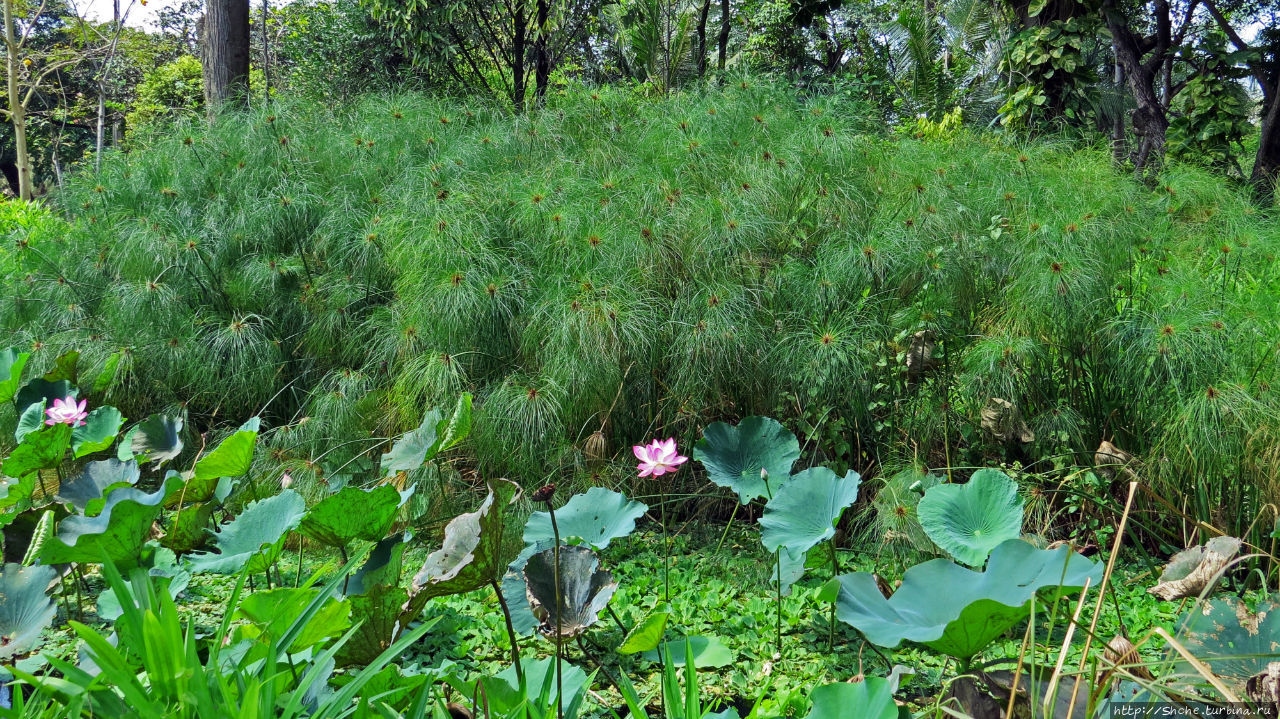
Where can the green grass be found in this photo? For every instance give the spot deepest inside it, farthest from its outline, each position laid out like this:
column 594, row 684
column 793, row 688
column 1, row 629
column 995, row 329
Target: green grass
column 647, row 266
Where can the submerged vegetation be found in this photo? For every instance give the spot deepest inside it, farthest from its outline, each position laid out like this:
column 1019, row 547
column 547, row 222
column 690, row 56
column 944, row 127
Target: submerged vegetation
column 966, row 385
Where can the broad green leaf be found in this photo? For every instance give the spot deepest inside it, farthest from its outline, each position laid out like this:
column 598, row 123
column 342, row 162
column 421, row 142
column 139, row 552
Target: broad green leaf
column 87, row 490
column 98, row 432
column 118, row 533
column 13, row 492
column 274, row 610
column 787, row 568
column 42, row 390
column 870, row 698
column 1236, row 641
column 959, row 611
column 804, row 511
column 231, row 458
column 645, row 635
column 64, row 368
column 411, row 449
column 11, row 363
column 453, row 429
column 25, row 607
column 253, row 540
column 42, row 449
column 32, row 420
column 155, row 439
column 708, row 652
column 378, row 611
column 584, row 591
column 189, row 527
column 383, row 565
column 969, row 520
column 107, row 377
column 471, row 553
column 352, row 513
column 597, row 517
column 734, row 456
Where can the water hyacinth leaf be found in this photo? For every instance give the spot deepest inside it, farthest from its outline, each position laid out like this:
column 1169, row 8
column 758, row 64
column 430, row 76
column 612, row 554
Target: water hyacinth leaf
column 596, row 517
column 733, row 456
column 255, row 538
column 87, row 491
column 585, row 589
column 708, row 652
column 42, row 449
column 42, row 390
column 232, row 457
column 350, row 514
column 274, row 610
column 969, row 520
column 871, row 698
column 98, row 432
column 470, row 555
column 155, row 439
column 25, row 607
column 959, row 611
column 646, row 635
column 804, row 511
column 118, row 533
column 11, row 364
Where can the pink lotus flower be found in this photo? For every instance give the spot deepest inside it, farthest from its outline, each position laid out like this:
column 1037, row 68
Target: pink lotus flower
column 658, row 457
column 66, row 411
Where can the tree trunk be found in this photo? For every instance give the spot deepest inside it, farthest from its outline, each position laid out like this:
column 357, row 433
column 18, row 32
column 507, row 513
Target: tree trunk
column 1117, row 123
column 725, row 19
column 541, row 56
column 519, row 35
column 702, row 37
column 1150, row 122
column 226, row 54
column 1266, row 166
column 17, row 112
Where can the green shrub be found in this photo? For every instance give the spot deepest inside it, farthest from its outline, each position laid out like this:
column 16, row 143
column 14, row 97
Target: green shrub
column 172, row 91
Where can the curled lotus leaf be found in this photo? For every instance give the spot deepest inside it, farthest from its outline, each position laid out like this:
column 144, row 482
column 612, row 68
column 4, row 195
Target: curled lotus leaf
column 117, row 533
column 25, row 607
column 255, row 538
column 959, row 611
column 585, row 589
column 86, row 491
column 734, row 456
column 1192, row 571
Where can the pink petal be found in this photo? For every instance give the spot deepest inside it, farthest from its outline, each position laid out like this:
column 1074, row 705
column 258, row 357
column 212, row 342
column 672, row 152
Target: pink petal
column 645, row 470
column 680, row 459
column 83, row 403
column 641, row 452
column 669, row 446
column 50, row 422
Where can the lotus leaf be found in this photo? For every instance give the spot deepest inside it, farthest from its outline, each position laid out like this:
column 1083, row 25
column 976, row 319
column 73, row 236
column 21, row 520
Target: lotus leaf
column 155, row 438
column 117, row 533
column 42, row 390
column 804, row 510
column 255, row 538
column 11, row 363
column 646, row 635
column 25, row 607
column 436, row 434
column 969, row 520
column 98, row 432
column 231, row 458
column 788, row 569
column 733, row 456
column 597, row 517
column 274, row 610
column 378, row 611
column 1235, row 642
column 352, row 513
column 32, row 419
column 42, row 449
column 958, row 611
column 471, row 554
column 708, row 652
column 871, row 698
column 87, row 490
column 383, row 565
column 584, row 590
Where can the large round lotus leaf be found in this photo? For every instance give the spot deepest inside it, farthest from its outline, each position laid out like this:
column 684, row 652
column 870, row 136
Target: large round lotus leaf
column 352, row 513
column 274, row 610
column 597, row 517
column 43, row 449
column 969, row 520
column 232, row 457
column 98, row 432
column 470, row 556
column 958, row 611
column 871, row 698
column 11, row 363
column 502, row 691
column 1235, row 641
column 25, row 607
column 86, row 491
column 734, row 456
column 117, row 533
column 584, row 590
column 787, row 568
column 378, row 611
column 708, row 652
column 42, row 390
column 188, row 529
column 255, row 538
column 804, row 511
column 155, row 439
